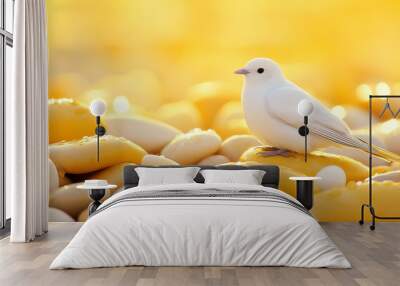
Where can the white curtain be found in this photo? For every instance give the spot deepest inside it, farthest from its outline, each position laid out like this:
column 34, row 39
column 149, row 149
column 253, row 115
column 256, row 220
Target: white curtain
column 27, row 124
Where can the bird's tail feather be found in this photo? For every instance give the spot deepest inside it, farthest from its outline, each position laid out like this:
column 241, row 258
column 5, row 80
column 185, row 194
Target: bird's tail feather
column 385, row 154
column 350, row 140
column 382, row 153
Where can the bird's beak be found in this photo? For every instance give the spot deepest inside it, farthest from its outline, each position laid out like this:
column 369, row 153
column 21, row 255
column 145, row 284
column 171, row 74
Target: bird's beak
column 242, row 71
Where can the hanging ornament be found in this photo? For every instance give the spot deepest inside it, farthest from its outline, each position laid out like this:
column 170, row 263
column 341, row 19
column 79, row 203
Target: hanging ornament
column 387, row 107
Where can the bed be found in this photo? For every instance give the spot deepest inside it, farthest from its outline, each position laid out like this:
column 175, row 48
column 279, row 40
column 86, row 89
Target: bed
column 199, row 224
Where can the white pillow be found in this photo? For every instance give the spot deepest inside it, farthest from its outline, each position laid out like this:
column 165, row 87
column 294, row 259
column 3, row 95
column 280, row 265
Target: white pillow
column 163, row 176
column 247, row 177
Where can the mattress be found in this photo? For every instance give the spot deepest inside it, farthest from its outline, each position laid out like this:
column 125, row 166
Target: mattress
column 201, row 225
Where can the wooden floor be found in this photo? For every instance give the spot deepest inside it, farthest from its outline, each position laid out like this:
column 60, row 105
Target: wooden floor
column 375, row 257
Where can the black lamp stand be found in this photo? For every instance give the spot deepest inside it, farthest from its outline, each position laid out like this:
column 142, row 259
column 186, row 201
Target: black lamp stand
column 100, row 131
column 304, row 131
column 96, row 195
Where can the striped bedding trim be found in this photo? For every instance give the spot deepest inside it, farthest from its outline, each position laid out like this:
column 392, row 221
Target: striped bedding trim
column 206, row 194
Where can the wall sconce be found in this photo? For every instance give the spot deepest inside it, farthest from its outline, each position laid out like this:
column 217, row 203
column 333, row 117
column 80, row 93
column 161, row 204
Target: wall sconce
column 98, row 108
column 305, row 108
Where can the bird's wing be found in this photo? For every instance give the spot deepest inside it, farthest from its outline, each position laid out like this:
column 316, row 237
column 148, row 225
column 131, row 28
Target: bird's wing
column 282, row 103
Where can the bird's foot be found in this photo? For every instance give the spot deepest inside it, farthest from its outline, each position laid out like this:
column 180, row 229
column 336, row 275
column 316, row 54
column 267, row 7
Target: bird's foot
column 267, row 151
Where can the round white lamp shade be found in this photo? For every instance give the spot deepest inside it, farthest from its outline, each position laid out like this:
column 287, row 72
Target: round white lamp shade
column 98, row 107
column 305, row 107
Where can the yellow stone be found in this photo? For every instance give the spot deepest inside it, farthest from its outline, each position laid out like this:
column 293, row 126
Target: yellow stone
column 355, row 171
column 80, row 157
column 113, row 175
column 157, row 160
column 214, row 160
column 63, row 179
column 183, row 115
column 71, row 200
column 230, row 120
column 234, row 146
column 209, row 97
column 343, row 204
column 192, row 147
column 152, row 135
column 84, row 215
column 69, row 120
column 54, row 181
column 66, row 85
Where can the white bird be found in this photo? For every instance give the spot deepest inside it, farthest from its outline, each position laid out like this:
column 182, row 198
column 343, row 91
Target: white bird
column 270, row 104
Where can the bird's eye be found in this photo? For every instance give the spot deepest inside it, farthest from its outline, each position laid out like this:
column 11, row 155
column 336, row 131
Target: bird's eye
column 260, row 70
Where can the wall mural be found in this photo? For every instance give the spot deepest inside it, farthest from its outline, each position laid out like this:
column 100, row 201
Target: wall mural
column 165, row 71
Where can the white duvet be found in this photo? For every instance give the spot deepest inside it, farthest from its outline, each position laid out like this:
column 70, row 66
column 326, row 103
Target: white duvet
column 200, row 231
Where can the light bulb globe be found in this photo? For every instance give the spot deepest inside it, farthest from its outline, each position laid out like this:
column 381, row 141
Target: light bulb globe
column 305, row 107
column 98, row 107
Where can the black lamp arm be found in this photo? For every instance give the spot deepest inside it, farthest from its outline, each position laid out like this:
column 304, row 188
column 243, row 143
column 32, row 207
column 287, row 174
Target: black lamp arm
column 99, row 131
column 304, row 131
